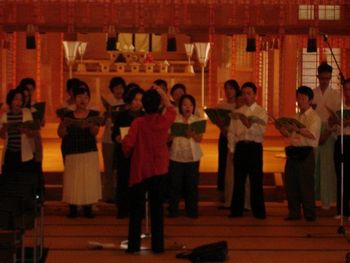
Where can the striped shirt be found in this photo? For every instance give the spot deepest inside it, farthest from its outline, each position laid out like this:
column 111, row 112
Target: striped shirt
column 14, row 135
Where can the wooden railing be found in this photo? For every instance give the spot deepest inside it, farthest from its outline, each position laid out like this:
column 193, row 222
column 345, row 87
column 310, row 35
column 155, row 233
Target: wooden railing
column 110, row 67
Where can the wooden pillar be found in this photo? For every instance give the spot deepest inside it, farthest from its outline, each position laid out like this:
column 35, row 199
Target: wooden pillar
column 274, row 83
column 211, row 94
column 288, row 84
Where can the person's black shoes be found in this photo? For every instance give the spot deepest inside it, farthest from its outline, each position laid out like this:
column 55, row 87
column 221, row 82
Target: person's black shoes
column 292, row 218
column 310, row 218
column 73, row 211
column 88, row 211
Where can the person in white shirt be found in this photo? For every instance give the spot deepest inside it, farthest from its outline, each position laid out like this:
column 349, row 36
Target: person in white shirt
column 248, row 157
column 116, row 87
column 231, row 90
column 300, row 164
column 185, row 154
column 335, row 122
column 325, row 100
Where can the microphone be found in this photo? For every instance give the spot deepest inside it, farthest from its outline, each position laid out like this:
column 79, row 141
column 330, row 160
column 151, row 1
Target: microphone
column 325, row 36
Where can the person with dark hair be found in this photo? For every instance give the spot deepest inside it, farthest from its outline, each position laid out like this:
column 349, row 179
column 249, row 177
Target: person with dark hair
column 26, row 96
column 248, row 154
column 71, row 85
column 81, row 178
column 129, row 87
column 185, row 154
column 18, row 147
column 133, row 100
column 29, row 83
column 176, row 93
column 117, row 84
column 162, row 84
column 335, row 124
column 27, row 87
column 231, row 88
column 69, row 104
column 146, row 142
column 300, row 164
column 325, row 99
column 229, row 171
column 115, row 103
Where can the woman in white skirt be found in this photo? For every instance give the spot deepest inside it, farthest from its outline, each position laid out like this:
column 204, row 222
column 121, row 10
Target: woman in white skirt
column 81, row 179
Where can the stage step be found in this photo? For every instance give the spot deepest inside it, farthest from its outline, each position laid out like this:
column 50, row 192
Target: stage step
column 273, row 187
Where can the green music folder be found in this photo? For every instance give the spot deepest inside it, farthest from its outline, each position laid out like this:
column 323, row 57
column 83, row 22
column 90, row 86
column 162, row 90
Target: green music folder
column 180, row 129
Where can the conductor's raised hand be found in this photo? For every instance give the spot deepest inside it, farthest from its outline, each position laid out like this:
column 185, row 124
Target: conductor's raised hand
column 163, row 95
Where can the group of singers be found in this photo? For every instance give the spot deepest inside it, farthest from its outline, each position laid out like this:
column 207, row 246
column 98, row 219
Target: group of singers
column 140, row 155
column 313, row 165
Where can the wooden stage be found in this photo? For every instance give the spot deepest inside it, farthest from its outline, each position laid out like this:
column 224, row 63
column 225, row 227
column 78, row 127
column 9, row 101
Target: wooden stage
column 250, row 240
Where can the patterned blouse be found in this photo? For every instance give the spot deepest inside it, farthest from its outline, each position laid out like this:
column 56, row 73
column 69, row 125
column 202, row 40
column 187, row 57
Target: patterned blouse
column 14, row 135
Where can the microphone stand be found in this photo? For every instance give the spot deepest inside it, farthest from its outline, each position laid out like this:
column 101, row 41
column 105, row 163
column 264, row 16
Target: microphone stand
column 341, row 228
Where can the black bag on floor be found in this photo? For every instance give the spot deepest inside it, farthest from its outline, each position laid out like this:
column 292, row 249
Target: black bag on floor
column 207, row 253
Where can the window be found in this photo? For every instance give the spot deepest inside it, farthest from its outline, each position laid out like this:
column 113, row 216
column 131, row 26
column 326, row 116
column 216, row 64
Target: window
column 329, row 12
column 310, row 62
column 325, row 12
column 306, row 12
column 141, row 42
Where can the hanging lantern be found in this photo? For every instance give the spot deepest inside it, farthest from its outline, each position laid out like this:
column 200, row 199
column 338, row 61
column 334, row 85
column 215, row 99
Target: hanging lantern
column 112, row 40
column 276, row 44
column 30, row 37
column 251, row 41
column 189, row 51
column 81, row 51
column 171, row 41
column 312, row 41
column 202, row 50
column 70, row 50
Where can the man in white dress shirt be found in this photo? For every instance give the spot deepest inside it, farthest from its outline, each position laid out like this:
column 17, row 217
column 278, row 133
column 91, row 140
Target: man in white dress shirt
column 248, row 157
column 300, row 164
column 325, row 99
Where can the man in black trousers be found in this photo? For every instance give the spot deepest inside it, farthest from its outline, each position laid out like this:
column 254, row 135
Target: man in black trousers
column 300, row 164
column 248, row 126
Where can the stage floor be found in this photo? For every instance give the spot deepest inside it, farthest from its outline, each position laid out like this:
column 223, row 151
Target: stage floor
column 249, row 240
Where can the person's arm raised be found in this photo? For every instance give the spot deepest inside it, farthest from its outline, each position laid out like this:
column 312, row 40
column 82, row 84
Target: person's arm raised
column 164, row 96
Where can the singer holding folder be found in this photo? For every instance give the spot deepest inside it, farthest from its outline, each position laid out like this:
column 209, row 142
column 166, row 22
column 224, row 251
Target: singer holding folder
column 17, row 155
column 248, row 153
column 300, row 164
column 133, row 100
column 81, row 178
